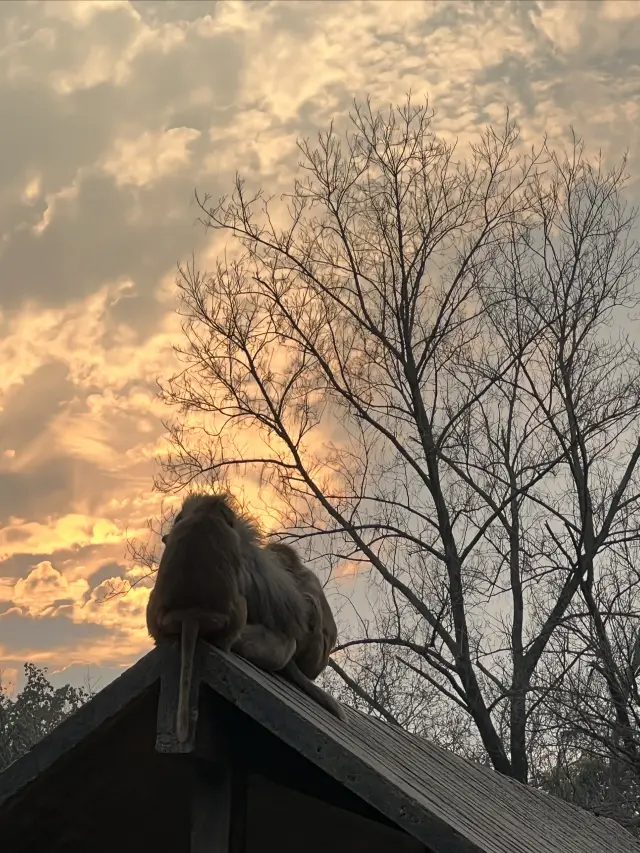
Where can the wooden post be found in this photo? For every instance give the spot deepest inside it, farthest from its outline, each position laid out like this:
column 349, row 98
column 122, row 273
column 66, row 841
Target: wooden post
column 218, row 808
column 217, row 776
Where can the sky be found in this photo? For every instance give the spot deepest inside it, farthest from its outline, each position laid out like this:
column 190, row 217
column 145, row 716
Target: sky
column 113, row 112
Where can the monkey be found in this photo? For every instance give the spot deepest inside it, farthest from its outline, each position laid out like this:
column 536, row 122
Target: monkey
column 289, row 625
column 314, row 645
column 290, row 628
column 197, row 589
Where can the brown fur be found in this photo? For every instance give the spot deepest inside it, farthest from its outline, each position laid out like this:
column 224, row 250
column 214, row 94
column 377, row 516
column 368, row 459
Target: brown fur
column 290, row 628
column 314, row 646
column 198, row 588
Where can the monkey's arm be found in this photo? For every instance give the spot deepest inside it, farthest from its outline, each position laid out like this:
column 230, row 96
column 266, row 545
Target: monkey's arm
column 264, row 648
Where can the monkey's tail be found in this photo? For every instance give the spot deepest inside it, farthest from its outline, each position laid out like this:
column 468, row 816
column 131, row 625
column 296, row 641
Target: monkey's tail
column 294, row 675
column 187, row 653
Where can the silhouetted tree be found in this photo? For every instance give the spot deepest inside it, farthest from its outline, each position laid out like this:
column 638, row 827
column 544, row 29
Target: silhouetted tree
column 35, row 711
column 423, row 357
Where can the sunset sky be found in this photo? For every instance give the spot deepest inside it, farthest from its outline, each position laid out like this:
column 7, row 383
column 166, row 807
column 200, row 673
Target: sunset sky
column 112, row 113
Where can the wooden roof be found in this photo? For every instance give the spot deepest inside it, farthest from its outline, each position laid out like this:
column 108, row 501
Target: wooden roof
column 449, row 804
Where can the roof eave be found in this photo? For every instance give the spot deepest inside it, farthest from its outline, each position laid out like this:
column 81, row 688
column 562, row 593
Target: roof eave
column 107, row 704
column 273, row 707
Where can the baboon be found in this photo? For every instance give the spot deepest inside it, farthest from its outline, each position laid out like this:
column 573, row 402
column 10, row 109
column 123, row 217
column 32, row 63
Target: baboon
column 319, row 634
column 314, row 647
column 198, row 588
column 289, row 628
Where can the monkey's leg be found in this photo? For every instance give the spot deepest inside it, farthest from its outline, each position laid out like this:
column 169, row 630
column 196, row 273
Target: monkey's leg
column 264, row 648
column 237, row 624
column 311, row 654
column 294, row 675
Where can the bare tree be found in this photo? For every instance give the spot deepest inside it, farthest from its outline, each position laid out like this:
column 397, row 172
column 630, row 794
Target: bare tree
column 565, row 282
column 413, row 353
column 594, row 711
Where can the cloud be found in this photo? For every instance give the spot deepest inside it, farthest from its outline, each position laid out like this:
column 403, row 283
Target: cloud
column 49, row 612
column 118, row 111
column 68, row 531
column 147, row 158
column 45, row 589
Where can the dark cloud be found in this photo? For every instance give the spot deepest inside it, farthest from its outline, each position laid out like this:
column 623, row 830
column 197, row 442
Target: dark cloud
column 55, row 487
column 212, row 61
column 515, row 73
column 172, row 11
column 19, row 565
column 106, row 231
column 82, row 249
column 51, row 134
column 62, row 603
column 46, row 489
column 53, row 482
column 15, row 535
column 106, row 571
column 20, row 634
column 29, row 408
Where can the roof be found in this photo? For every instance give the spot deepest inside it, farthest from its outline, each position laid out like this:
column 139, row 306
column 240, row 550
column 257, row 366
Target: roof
column 449, row 804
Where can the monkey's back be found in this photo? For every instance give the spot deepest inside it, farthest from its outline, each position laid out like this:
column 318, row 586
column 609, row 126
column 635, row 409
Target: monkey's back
column 198, row 575
column 316, row 628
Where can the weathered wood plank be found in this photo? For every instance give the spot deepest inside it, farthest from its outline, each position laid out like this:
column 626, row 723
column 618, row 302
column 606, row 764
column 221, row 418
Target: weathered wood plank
column 449, row 804
column 234, row 679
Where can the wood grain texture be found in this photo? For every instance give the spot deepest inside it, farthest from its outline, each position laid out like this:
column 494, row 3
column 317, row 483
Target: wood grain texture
column 218, row 809
column 166, row 736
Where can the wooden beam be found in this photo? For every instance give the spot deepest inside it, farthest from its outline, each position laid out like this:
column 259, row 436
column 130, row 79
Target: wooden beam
column 218, row 808
column 329, row 746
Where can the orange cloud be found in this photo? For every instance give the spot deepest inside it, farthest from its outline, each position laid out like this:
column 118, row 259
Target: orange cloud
column 42, row 589
column 67, row 532
column 47, row 593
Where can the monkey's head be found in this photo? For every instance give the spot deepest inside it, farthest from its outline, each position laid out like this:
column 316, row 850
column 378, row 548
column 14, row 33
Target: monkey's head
column 213, row 507
column 207, row 536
